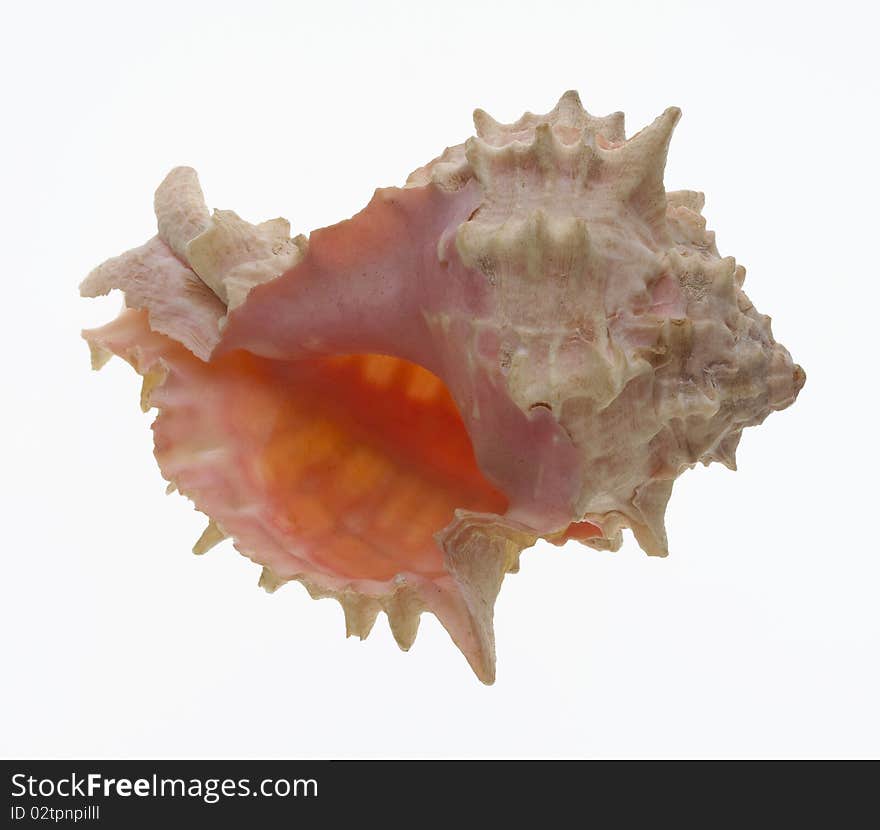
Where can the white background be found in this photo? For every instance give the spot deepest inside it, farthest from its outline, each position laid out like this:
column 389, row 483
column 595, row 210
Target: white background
column 759, row 636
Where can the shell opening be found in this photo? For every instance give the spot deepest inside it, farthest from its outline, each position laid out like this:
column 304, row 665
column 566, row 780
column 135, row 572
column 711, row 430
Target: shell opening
column 344, row 466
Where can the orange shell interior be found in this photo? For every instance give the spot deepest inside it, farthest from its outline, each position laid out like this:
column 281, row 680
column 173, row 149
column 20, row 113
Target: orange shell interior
column 347, row 465
column 370, row 454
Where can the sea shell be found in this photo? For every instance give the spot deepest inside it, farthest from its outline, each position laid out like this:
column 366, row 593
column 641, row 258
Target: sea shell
column 531, row 339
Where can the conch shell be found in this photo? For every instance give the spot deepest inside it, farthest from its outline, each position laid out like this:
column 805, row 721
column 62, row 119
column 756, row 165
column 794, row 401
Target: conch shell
column 530, row 339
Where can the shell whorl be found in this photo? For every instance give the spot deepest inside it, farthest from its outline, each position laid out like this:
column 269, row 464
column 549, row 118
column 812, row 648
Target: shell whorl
column 569, row 164
column 649, row 324
column 567, row 205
